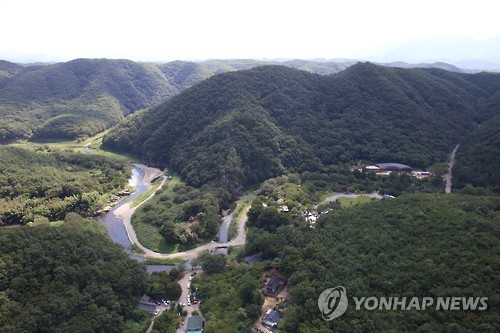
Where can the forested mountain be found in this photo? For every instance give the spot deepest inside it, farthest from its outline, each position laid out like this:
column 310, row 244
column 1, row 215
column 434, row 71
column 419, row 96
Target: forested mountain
column 77, row 98
column 183, row 74
column 8, row 69
column 242, row 127
column 82, row 97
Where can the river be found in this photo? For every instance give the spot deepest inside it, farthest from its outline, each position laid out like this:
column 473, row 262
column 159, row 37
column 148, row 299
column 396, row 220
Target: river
column 116, row 228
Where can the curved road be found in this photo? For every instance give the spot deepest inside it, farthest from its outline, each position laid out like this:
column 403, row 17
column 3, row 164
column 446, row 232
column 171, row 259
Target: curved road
column 126, row 211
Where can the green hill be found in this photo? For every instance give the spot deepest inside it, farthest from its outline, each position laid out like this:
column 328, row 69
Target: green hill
column 82, row 97
column 8, row 69
column 239, row 128
column 75, row 99
column 183, row 74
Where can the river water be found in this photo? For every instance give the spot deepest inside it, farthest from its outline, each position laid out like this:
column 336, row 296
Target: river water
column 116, row 228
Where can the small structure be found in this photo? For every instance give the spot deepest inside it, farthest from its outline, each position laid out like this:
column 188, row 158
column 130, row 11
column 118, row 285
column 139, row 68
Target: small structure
column 195, row 324
column 271, row 319
column 421, row 174
column 397, row 167
column 147, row 305
column 123, row 193
column 326, row 211
column 372, row 168
column 274, row 285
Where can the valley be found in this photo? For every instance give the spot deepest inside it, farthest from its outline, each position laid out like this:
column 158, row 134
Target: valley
column 247, row 171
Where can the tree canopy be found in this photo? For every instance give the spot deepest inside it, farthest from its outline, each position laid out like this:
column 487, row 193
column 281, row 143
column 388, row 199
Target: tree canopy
column 66, row 279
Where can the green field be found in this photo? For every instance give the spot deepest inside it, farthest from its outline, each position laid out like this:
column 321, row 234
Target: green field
column 94, row 143
column 349, row 202
column 164, row 261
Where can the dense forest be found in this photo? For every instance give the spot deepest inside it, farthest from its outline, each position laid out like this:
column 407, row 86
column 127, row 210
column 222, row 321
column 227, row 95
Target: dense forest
column 478, row 157
column 38, row 186
column 77, row 98
column 238, row 291
column 66, row 279
column 83, row 97
column 241, row 128
column 418, row 245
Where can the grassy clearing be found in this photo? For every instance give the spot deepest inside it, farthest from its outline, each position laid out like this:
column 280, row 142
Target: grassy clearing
column 76, row 146
column 163, row 261
column 150, row 237
column 349, row 202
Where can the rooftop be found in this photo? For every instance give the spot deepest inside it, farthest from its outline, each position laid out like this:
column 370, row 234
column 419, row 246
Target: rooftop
column 275, row 282
column 272, row 318
column 195, row 324
column 393, row 167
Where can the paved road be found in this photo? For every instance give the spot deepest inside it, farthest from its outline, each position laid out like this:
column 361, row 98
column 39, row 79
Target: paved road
column 448, row 175
column 125, row 212
column 184, row 282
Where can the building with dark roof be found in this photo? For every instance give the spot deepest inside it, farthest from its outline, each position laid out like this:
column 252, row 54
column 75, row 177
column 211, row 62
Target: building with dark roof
column 148, row 306
column 393, row 167
column 271, row 319
column 195, row 324
column 274, row 285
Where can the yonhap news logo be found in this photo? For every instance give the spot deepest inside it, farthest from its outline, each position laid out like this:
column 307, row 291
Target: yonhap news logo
column 333, row 303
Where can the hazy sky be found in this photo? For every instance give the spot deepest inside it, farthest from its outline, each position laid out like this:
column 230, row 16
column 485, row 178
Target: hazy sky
column 165, row 30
